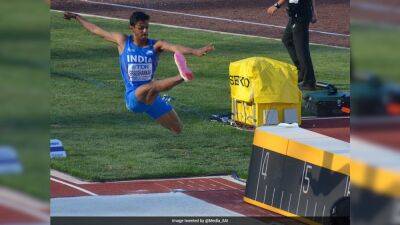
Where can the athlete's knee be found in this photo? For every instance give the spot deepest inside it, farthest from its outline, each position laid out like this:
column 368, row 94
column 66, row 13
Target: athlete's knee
column 151, row 95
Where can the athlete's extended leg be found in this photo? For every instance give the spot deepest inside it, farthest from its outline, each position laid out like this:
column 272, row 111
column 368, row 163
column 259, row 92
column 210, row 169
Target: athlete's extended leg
column 147, row 93
column 171, row 121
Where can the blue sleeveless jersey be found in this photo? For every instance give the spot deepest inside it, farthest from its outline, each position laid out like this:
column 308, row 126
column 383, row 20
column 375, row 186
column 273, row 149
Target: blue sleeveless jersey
column 138, row 64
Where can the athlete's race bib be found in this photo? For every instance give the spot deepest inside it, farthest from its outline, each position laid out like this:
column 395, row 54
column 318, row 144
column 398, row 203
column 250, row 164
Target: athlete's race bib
column 294, row 1
column 140, row 72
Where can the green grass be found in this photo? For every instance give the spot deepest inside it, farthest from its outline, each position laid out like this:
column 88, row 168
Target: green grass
column 106, row 142
column 375, row 49
column 24, row 66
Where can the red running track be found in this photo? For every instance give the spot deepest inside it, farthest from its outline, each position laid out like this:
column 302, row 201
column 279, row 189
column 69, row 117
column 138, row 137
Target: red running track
column 337, row 127
column 220, row 191
column 13, row 216
column 215, row 190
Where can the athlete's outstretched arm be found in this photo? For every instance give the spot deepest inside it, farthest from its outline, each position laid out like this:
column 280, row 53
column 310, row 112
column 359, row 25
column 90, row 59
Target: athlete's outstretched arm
column 115, row 37
column 165, row 46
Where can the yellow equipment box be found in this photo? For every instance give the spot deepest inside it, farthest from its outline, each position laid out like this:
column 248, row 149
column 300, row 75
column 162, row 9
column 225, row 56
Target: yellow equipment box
column 261, row 85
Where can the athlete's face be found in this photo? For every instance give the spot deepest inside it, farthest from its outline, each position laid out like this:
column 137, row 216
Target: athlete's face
column 141, row 30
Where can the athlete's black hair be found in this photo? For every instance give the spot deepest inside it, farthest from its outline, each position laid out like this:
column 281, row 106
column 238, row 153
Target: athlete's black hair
column 138, row 16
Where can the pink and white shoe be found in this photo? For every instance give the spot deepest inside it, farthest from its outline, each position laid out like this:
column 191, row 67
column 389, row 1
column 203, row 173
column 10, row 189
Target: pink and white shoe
column 184, row 71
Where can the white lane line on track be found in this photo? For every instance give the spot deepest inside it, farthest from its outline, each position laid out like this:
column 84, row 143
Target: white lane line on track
column 199, row 29
column 163, row 186
column 223, row 184
column 26, row 210
column 73, row 186
column 201, row 179
column 67, row 177
column 375, row 7
column 236, row 181
column 24, row 204
column 210, row 17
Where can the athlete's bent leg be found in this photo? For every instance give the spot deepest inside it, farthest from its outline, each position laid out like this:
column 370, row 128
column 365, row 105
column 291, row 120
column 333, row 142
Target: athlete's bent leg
column 147, row 93
column 171, row 121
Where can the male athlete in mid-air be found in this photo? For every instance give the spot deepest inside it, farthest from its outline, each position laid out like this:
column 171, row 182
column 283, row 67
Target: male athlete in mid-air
column 138, row 57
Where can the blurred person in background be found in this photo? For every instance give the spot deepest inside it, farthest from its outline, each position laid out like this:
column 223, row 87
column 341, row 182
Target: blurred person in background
column 296, row 37
column 375, row 115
